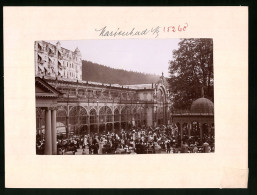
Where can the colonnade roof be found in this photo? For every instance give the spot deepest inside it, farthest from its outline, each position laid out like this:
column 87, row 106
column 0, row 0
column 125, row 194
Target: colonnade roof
column 43, row 89
column 97, row 84
column 140, row 86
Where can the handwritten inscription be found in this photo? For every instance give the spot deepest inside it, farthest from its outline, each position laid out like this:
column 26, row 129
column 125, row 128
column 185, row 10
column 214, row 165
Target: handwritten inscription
column 179, row 28
column 154, row 31
column 133, row 32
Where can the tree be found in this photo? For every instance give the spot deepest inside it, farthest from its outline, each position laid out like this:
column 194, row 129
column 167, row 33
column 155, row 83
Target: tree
column 190, row 71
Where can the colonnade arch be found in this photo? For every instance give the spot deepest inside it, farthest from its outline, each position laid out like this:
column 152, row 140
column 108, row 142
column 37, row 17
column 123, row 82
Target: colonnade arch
column 61, row 121
column 78, row 120
column 105, row 119
column 93, row 122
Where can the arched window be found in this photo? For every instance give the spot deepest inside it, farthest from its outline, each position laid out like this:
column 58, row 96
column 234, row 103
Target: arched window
column 108, row 115
column 61, row 118
column 105, row 114
column 78, row 115
column 141, row 114
column 124, row 114
column 129, row 115
column 93, row 116
column 101, row 115
column 116, row 115
column 134, row 113
column 83, row 116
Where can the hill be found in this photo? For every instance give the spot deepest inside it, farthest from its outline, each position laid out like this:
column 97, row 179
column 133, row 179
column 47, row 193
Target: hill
column 104, row 74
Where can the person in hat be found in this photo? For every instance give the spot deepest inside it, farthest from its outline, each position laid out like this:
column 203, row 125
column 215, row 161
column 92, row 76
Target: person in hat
column 205, row 147
column 168, row 146
column 84, row 152
column 195, row 149
column 101, row 144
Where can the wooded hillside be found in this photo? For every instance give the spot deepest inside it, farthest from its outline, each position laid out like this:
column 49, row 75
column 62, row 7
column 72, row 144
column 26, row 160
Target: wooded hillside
column 104, row 74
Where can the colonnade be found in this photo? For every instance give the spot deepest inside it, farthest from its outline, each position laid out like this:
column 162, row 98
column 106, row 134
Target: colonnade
column 50, row 131
column 89, row 121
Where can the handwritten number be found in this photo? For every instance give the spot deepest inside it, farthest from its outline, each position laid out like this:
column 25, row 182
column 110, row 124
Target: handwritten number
column 179, row 29
column 185, row 27
column 174, row 28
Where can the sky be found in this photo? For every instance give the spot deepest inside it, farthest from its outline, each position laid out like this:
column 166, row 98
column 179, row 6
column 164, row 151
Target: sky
column 142, row 55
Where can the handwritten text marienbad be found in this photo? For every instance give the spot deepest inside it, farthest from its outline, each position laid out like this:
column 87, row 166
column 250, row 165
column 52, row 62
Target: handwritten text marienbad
column 106, row 32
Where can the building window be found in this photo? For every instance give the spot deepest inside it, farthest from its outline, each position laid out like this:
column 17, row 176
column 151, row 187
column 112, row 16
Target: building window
column 105, row 115
column 78, row 118
column 61, row 119
column 116, row 115
column 93, row 116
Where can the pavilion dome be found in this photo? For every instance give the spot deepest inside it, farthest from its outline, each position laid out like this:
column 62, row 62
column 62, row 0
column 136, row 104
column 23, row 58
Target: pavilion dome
column 202, row 105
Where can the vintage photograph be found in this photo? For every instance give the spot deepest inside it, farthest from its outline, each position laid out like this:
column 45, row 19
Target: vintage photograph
column 124, row 96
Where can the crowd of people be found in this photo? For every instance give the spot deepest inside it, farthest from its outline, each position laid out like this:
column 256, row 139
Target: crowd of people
column 134, row 141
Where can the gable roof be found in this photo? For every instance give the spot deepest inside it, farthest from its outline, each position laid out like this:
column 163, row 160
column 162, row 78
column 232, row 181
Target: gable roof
column 43, row 89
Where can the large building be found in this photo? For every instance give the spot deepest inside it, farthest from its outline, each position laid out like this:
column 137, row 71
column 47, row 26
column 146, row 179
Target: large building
column 65, row 104
column 57, row 62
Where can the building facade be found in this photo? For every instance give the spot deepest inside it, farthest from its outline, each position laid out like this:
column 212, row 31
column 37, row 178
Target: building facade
column 57, row 62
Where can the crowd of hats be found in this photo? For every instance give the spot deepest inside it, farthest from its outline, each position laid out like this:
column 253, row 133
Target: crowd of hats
column 162, row 139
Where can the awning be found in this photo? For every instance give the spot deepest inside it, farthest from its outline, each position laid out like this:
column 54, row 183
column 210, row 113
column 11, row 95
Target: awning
column 41, row 67
column 51, row 59
column 60, row 71
column 52, row 50
column 40, row 55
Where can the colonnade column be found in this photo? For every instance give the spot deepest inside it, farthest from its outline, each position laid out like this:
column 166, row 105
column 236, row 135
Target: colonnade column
column 153, row 116
column 39, row 125
column 201, row 131
column 48, row 134
column 119, row 122
column 164, row 114
column 181, row 133
column 67, row 123
column 54, row 135
column 189, row 125
column 97, row 117
column 209, row 130
column 88, row 119
column 127, row 119
column 97, row 120
column 131, row 120
column 105, row 122
column 156, row 116
column 113, row 122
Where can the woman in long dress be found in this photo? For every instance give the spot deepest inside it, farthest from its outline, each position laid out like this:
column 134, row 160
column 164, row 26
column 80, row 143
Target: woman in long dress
column 101, row 143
